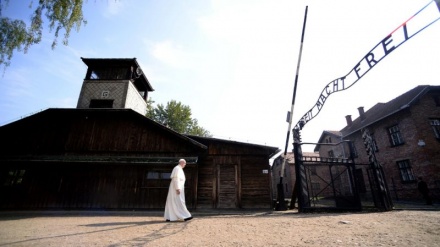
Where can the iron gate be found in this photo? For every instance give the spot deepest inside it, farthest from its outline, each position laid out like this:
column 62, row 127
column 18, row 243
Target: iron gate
column 327, row 184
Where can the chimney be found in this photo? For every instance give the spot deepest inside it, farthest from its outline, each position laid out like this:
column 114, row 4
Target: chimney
column 361, row 112
column 349, row 121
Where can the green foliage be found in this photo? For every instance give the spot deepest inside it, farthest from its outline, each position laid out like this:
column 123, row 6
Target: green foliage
column 177, row 117
column 15, row 35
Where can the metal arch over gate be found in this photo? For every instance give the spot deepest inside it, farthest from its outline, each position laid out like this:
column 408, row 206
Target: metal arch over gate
column 422, row 19
column 396, row 38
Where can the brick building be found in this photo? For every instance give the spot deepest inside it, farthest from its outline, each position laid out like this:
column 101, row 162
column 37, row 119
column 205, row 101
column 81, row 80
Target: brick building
column 331, row 151
column 406, row 138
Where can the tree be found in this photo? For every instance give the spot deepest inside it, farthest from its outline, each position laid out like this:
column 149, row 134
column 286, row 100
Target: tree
column 177, row 117
column 15, row 35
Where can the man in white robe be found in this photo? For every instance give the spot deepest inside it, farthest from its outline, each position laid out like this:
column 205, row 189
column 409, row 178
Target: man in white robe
column 175, row 207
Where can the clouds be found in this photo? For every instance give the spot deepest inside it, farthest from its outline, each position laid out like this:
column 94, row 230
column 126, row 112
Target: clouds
column 171, row 54
column 247, row 21
column 113, row 8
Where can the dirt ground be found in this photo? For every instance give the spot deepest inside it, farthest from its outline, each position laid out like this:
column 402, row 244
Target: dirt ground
column 238, row 228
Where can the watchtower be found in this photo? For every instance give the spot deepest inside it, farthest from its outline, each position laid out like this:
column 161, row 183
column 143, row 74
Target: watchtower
column 114, row 83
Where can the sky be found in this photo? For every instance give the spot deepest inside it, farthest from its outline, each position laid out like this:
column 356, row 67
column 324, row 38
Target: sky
column 232, row 62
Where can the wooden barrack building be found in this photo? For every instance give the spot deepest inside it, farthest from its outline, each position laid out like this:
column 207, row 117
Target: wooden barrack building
column 107, row 156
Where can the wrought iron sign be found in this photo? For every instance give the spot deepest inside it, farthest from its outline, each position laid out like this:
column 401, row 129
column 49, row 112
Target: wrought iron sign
column 414, row 25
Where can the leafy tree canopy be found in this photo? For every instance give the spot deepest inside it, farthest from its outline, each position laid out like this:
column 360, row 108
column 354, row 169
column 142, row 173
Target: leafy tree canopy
column 177, row 117
column 15, row 35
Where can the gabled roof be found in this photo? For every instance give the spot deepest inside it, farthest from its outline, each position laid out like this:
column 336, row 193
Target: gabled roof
column 333, row 133
column 142, row 81
column 270, row 151
column 383, row 110
column 63, row 116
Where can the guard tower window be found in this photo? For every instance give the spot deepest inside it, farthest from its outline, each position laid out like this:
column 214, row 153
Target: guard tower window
column 111, row 73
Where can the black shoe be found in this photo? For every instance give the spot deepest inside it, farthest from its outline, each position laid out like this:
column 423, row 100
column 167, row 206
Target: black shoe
column 167, row 220
column 189, row 218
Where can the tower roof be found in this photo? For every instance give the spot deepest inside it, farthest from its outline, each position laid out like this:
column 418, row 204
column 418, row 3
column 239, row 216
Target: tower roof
column 140, row 81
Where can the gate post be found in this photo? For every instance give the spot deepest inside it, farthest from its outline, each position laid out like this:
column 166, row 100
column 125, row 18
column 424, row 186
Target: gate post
column 378, row 174
column 352, row 175
column 301, row 180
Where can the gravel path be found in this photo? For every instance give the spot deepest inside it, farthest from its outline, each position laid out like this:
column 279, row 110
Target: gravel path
column 239, row 228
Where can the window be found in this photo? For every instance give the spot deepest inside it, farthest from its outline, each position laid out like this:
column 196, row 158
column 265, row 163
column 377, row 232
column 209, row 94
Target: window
column 395, row 135
column 14, row 177
column 101, row 103
column 153, row 175
column 158, row 175
column 112, row 73
column 405, row 171
column 331, row 154
column 435, row 124
column 157, row 179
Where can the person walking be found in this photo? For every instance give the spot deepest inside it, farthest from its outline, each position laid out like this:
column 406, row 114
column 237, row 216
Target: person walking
column 175, row 207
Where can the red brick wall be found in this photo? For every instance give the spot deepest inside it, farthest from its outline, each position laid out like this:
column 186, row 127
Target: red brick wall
column 414, row 125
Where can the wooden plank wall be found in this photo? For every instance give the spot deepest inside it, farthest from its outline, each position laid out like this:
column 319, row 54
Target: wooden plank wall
column 234, row 182
column 91, row 187
column 206, row 183
column 255, row 185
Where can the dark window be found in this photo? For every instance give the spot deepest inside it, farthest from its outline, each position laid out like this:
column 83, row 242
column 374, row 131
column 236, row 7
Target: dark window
column 101, row 103
column 331, row 154
column 165, row 175
column 405, row 170
column 157, row 179
column 14, row 177
column 395, row 135
column 435, row 124
column 158, row 175
column 153, row 175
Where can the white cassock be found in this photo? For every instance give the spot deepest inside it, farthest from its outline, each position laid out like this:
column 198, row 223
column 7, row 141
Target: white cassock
column 175, row 207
